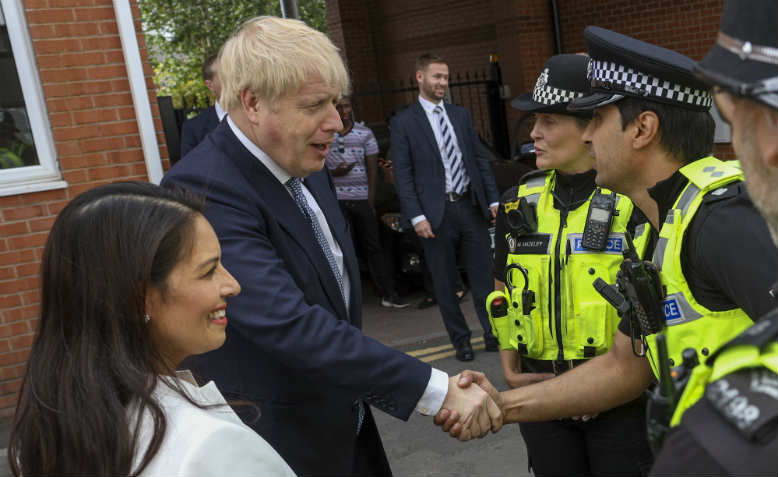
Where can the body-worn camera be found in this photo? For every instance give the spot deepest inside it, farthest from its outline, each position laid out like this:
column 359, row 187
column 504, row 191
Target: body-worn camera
column 521, row 218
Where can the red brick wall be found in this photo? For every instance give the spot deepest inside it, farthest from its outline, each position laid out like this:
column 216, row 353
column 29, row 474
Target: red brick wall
column 466, row 32
column 81, row 66
column 687, row 26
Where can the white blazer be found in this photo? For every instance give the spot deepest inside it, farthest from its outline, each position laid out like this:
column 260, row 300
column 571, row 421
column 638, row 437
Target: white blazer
column 212, row 441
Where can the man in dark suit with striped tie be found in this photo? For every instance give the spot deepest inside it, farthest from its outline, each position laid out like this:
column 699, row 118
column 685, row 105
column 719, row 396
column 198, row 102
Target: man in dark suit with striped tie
column 448, row 193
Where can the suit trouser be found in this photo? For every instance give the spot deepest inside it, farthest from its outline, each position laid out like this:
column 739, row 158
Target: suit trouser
column 463, row 225
column 364, row 225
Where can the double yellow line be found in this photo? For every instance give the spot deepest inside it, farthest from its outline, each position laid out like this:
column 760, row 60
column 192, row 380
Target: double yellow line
column 444, row 351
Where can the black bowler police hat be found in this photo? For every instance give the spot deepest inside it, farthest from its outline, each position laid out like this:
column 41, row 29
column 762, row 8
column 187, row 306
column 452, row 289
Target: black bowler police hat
column 621, row 66
column 562, row 80
column 744, row 59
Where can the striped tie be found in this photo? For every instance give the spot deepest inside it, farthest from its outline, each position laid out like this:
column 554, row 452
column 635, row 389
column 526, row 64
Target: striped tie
column 451, row 158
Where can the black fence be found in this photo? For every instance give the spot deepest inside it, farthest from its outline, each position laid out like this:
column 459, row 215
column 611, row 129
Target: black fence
column 172, row 121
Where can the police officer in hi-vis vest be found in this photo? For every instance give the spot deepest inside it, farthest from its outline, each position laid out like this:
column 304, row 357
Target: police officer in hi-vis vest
column 651, row 135
column 546, row 258
column 726, row 419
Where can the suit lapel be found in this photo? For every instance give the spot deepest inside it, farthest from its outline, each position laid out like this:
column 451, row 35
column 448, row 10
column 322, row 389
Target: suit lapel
column 319, row 187
column 423, row 125
column 287, row 214
column 213, row 119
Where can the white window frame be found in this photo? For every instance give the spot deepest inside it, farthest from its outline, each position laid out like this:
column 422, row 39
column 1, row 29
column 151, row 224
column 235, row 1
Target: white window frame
column 46, row 175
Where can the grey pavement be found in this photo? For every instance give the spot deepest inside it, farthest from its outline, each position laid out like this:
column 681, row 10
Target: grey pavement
column 417, row 447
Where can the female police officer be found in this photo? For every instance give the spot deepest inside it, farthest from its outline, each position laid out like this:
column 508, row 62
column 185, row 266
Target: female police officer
column 556, row 233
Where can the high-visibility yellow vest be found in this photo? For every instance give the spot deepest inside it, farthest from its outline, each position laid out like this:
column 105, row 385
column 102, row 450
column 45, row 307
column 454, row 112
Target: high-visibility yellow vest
column 754, row 348
column 583, row 324
column 689, row 324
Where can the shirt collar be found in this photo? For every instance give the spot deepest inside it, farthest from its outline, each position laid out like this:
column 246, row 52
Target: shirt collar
column 665, row 193
column 220, row 113
column 429, row 106
column 266, row 160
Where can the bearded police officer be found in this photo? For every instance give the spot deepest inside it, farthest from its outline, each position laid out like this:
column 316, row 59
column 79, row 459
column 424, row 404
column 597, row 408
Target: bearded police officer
column 651, row 135
column 731, row 427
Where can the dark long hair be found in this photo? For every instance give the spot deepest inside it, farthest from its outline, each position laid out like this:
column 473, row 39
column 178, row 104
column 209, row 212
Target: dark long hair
column 92, row 357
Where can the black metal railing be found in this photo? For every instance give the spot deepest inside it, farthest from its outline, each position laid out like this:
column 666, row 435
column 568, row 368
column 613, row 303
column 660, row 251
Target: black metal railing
column 477, row 91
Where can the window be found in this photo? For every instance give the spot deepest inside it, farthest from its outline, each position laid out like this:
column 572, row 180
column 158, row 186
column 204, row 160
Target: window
column 27, row 154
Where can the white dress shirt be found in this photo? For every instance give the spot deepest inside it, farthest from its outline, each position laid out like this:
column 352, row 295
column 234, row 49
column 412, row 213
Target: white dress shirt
column 284, row 176
column 220, row 113
column 437, row 387
column 209, row 441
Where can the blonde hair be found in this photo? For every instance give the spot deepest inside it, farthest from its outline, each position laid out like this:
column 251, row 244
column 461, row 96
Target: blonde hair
column 273, row 56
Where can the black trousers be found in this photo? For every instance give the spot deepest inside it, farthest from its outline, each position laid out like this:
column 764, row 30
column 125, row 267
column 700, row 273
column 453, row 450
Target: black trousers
column 364, row 225
column 463, row 227
column 612, row 444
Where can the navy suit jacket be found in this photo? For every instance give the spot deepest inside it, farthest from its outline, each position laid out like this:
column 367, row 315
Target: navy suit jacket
column 291, row 345
column 419, row 175
column 194, row 130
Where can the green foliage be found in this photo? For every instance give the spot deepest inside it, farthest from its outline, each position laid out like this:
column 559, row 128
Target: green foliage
column 180, row 34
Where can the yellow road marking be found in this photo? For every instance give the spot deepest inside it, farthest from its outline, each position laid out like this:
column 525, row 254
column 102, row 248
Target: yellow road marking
column 434, row 349
column 446, row 354
column 422, row 352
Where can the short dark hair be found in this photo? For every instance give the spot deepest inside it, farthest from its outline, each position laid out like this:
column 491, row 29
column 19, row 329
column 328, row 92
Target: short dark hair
column 423, row 61
column 207, row 70
column 93, row 357
column 687, row 135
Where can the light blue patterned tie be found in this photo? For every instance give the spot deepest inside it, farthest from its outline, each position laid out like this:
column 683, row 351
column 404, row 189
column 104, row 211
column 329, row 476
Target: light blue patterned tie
column 452, row 159
column 295, row 186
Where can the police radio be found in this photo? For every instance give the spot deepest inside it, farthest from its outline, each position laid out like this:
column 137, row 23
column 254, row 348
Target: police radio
column 637, row 294
column 663, row 400
column 598, row 221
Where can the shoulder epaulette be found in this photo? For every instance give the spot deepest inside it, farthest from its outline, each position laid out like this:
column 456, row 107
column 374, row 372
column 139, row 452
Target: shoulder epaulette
column 536, row 173
column 510, row 194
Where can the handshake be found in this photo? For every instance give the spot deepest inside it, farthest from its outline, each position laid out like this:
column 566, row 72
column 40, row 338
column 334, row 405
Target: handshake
column 470, row 411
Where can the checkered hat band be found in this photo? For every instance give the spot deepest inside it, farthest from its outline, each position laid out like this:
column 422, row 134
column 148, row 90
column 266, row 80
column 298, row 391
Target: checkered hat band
column 550, row 96
column 622, row 78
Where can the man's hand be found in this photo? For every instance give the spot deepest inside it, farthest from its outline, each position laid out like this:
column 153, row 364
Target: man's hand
column 477, row 409
column 342, row 169
column 494, row 211
column 423, row 229
column 517, row 380
column 511, row 370
column 386, row 165
column 585, row 417
column 449, row 418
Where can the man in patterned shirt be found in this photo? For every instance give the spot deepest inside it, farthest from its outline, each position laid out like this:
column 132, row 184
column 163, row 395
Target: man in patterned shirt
column 352, row 163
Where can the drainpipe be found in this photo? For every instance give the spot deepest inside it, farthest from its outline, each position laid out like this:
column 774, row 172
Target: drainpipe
column 557, row 30
column 289, row 9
